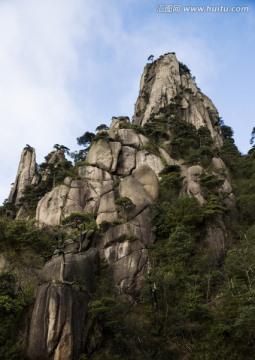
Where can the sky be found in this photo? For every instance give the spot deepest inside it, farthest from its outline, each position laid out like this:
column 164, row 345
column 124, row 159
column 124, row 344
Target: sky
column 67, row 66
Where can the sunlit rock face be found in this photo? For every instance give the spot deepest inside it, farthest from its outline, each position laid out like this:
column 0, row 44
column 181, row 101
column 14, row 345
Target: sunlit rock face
column 164, row 80
column 25, row 175
column 116, row 168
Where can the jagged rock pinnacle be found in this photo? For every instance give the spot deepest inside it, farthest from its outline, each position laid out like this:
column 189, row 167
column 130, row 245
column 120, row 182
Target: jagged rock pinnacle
column 162, row 82
column 25, row 174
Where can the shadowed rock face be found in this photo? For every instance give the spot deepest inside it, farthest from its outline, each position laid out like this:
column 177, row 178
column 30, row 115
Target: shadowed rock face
column 25, row 175
column 59, row 315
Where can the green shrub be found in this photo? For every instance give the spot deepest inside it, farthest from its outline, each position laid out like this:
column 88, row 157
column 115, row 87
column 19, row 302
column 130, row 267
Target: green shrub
column 183, row 211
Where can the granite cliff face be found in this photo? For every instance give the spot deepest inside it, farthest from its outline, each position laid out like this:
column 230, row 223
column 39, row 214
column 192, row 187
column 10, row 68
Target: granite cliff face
column 116, row 168
column 60, row 310
column 163, row 81
column 25, row 175
column 116, row 185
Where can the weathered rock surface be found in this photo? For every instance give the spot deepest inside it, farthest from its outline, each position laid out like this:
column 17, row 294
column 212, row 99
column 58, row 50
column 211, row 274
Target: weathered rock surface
column 104, row 155
column 57, row 324
column 161, row 82
column 128, row 137
column 147, row 177
column 100, row 155
column 218, row 164
column 74, row 196
column 25, row 175
column 130, row 187
column 125, row 247
column 50, row 206
column 193, row 186
column 115, row 149
column 107, row 208
column 127, row 161
column 144, row 157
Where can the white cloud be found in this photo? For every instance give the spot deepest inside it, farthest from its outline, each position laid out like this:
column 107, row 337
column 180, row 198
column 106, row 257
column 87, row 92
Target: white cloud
column 38, row 61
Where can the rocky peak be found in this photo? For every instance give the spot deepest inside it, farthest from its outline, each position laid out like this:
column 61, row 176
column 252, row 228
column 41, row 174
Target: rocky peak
column 166, row 80
column 116, row 186
column 25, row 174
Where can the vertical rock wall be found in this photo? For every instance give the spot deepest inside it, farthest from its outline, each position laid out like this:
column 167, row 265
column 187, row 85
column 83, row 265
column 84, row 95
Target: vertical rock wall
column 60, row 310
column 25, row 175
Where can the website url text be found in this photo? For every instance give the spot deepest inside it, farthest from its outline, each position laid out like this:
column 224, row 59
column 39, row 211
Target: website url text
column 171, row 8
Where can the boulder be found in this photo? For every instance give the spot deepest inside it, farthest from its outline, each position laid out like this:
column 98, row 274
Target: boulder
column 97, row 182
column 130, row 187
column 143, row 140
column 93, row 173
column 49, row 208
column 75, row 201
column 144, row 157
column 127, row 161
column 138, row 228
column 128, row 270
column 100, row 155
column 129, row 137
column 147, row 177
column 218, row 163
column 107, row 208
column 215, row 236
column 193, row 186
column 115, row 149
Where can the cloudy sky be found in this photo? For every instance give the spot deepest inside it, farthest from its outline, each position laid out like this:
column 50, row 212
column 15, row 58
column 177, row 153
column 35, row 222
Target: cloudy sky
column 67, row 66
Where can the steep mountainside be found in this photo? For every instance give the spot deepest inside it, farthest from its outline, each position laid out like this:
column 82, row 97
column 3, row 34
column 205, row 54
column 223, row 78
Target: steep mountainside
column 140, row 225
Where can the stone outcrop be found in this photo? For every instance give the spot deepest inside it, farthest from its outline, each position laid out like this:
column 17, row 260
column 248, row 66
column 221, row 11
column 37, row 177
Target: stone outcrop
column 60, row 311
column 163, row 81
column 103, row 154
column 49, row 207
column 147, row 177
column 127, row 161
column 193, row 186
column 25, row 175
